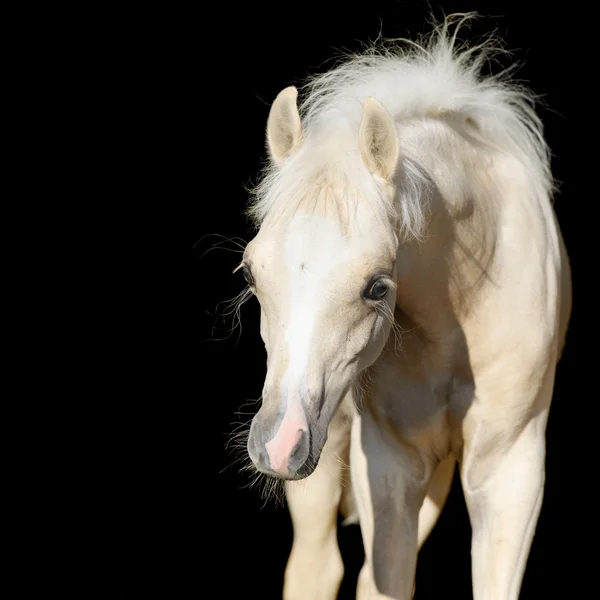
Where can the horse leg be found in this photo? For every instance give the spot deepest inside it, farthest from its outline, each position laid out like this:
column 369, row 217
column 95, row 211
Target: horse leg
column 315, row 569
column 389, row 486
column 437, row 494
column 503, row 483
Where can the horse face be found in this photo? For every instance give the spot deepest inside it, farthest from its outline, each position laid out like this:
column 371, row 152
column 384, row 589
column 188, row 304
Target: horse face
column 327, row 298
column 323, row 271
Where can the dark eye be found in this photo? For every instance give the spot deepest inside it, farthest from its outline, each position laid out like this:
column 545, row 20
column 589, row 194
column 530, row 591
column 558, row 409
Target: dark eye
column 248, row 276
column 377, row 290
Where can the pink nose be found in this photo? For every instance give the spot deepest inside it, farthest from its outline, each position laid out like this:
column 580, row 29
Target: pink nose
column 288, row 441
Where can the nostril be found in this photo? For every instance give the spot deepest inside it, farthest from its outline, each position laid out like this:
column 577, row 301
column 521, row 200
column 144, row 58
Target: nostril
column 299, row 454
column 258, row 454
column 262, row 458
column 299, row 445
column 254, row 446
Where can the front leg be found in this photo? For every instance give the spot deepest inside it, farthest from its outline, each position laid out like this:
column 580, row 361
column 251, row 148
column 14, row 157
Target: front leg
column 389, row 482
column 315, row 570
column 503, row 480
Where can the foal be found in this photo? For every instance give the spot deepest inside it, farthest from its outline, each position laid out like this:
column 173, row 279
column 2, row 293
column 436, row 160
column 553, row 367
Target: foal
column 415, row 295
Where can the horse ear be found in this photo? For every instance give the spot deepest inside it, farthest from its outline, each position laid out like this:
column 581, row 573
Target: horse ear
column 284, row 128
column 378, row 140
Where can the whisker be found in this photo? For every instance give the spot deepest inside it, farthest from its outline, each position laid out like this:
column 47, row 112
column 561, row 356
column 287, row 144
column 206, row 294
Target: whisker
column 386, row 312
column 232, row 308
column 233, row 240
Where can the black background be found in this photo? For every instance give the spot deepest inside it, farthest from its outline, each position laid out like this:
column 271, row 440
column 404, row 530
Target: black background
column 202, row 82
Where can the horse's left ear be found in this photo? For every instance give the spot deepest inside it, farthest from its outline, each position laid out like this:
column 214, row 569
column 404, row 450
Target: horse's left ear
column 378, row 140
column 284, row 128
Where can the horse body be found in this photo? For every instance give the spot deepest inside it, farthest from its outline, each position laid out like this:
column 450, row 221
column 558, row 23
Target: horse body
column 429, row 218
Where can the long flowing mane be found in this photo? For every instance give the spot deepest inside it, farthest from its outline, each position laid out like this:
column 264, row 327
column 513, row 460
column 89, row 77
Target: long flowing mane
column 436, row 77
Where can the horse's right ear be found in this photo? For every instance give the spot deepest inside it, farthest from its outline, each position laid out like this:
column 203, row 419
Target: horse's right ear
column 284, row 128
column 378, row 141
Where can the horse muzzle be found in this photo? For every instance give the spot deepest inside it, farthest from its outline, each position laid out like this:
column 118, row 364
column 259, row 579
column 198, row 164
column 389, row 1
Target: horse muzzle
column 284, row 444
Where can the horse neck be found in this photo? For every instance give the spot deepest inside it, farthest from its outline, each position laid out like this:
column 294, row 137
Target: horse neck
column 440, row 275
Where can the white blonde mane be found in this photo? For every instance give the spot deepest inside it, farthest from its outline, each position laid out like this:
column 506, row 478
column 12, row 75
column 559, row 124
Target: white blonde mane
column 432, row 78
